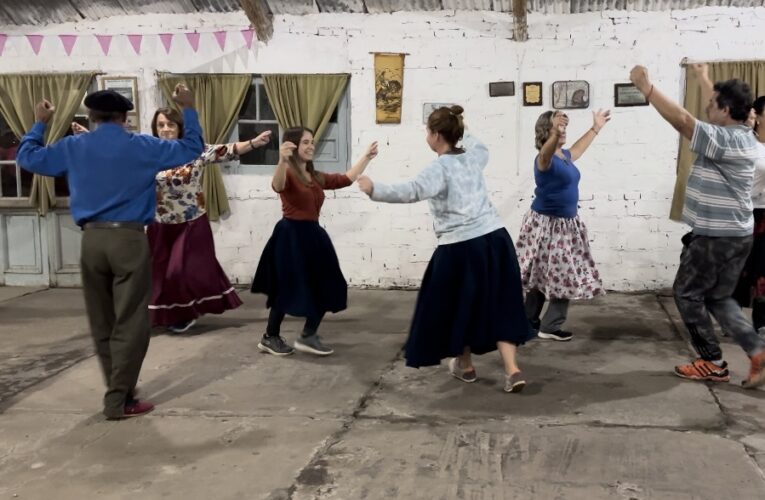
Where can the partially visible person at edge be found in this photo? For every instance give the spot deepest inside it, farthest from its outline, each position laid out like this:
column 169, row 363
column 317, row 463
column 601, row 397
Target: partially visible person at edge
column 553, row 245
column 299, row 270
column 471, row 300
column 718, row 208
column 111, row 175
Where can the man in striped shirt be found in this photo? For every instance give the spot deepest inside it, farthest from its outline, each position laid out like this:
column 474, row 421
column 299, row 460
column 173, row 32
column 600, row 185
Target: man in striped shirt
column 718, row 208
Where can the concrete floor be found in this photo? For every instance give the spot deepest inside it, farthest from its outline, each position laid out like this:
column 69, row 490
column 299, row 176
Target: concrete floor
column 602, row 418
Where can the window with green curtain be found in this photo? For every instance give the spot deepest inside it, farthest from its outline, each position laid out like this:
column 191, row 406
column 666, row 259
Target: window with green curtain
column 753, row 73
column 18, row 95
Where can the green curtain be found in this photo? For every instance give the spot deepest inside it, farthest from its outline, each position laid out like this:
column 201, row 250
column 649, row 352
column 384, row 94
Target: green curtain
column 753, row 73
column 18, row 95
column 307, row 100
column 218, row 100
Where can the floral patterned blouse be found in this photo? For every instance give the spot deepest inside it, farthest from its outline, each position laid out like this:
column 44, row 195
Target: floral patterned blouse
column 179, row 190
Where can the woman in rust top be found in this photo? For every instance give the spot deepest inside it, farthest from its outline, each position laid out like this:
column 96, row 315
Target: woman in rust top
column 299, row 270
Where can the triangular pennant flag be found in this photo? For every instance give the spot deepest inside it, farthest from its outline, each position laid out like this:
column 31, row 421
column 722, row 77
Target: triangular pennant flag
column 167, row 40
column 68, row 41
column 36, row 42
column 248, row 35
column 3, row 38
column 220, row 36
column 105, row 41
column 193, row 39
column 135, row 41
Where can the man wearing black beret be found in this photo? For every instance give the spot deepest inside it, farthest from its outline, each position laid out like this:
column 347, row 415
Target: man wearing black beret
column 111, row 174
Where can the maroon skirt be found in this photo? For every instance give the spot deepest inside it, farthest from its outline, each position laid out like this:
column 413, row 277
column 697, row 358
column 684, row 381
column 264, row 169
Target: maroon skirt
column 187, row 280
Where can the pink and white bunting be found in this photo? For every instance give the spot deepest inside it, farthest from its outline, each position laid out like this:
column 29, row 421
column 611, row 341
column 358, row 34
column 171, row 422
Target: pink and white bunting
column 69, row 41
column 135, row 41
column 220, row 37
column 193, row 39
column 105, row 41
column 36, row 42
column 167, row 41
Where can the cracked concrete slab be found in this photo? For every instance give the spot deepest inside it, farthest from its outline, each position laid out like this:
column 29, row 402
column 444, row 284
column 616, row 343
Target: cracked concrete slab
column 512, row 460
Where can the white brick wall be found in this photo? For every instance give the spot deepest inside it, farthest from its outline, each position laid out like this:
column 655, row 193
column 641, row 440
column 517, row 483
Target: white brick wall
column 627, row 175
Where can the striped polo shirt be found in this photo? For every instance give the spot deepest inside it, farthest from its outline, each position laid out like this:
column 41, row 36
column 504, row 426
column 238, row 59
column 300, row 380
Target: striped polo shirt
column 718, row 199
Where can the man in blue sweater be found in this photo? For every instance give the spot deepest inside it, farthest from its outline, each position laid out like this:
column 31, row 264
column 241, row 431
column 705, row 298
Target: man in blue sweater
column 112, row 196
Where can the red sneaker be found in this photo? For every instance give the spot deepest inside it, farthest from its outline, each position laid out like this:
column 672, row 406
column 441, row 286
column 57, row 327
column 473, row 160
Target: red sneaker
column 704, row 370
column 756, row 372
column 134, row 408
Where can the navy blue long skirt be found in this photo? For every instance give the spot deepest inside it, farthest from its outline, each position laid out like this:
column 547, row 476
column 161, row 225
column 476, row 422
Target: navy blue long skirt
column 299, row 271
column 471, row 295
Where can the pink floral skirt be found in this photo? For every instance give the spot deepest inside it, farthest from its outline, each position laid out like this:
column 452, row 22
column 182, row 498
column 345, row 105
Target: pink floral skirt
column 555, row 258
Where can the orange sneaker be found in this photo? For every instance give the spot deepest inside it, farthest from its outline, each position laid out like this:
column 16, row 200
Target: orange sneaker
column 756, row 372
column 704, row 370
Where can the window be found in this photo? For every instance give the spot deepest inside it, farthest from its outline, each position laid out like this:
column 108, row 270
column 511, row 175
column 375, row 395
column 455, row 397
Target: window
column 16, row 182
column 257, row 116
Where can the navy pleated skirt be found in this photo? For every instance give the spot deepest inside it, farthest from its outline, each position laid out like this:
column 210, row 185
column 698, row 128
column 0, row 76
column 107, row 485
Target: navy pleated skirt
column 471, row 295
column 299, row 271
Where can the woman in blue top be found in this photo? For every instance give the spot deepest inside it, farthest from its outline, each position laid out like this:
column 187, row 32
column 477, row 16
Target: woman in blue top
column 471, row 300
column 553, row 248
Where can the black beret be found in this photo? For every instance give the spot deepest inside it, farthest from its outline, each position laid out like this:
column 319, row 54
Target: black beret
column 108, row 101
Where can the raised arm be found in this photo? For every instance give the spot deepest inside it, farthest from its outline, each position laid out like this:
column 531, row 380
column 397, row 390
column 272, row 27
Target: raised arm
column 475, row 149
column 358, row 168
column 428, row 184
column 169, row 154
column 33, row 155
column 599, row 120
column 544, row 159
column 680, row 119
column 706, row 85
column 279, row 180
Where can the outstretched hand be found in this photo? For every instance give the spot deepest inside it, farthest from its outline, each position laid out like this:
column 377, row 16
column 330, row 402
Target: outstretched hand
column 262, row 139
column 700, row 70
column 78, row 129
column 183, row 97
column 44, row 111
column 371, row 151
column 639, row 78
column 286, row 150
column 600, row 118
column 366, row 185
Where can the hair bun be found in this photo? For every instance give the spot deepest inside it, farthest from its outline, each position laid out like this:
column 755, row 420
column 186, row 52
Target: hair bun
column 456, row 110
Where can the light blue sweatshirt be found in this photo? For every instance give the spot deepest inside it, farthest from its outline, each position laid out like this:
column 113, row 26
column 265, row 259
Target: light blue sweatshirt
column 455, row 189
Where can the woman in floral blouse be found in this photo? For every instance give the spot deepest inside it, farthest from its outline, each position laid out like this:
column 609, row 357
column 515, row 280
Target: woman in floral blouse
column 188, row 281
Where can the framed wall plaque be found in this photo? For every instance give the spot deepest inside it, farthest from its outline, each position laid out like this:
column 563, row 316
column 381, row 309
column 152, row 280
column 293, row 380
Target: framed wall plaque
column 626, row 94
column 532, row 93
column 571, row 94
column 498, row 89
column 127, row 86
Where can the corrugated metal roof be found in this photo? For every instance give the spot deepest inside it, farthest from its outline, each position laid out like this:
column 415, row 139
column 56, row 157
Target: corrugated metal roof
column 38, row 12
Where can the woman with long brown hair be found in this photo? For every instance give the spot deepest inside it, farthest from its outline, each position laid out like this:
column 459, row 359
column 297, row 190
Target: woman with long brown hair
column 471, row 300
column 299, row 270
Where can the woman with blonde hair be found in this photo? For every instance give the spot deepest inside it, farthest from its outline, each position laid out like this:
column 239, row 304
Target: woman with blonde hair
column 553, row 246
column 470, row 301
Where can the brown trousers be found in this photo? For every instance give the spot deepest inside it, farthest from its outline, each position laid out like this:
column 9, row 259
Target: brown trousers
column 116, row 280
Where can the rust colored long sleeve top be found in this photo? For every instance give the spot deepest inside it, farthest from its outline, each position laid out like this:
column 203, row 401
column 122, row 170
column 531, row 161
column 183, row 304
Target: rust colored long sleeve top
column 303, row 202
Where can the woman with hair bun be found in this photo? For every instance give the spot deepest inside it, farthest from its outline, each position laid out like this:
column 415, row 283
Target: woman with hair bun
column 471, row 300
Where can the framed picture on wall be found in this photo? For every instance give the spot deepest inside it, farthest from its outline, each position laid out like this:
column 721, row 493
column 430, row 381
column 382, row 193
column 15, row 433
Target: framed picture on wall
column 626, row 94
column 571, row 94
column 532, row 93
column 429, row 107
column 126, row 86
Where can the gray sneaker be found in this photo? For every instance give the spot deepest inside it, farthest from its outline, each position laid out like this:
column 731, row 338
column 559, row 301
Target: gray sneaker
column 456, row 370
column 312, row 344
column 275, row 345
column 514, row 382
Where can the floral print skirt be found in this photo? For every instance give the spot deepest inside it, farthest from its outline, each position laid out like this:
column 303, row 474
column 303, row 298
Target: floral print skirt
column 555, row 258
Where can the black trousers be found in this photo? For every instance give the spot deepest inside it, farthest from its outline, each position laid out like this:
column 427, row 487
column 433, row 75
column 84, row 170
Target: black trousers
column 275, row 318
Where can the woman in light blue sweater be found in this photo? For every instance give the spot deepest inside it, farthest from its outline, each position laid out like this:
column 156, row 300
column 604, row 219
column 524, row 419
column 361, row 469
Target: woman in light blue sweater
column 471, row 301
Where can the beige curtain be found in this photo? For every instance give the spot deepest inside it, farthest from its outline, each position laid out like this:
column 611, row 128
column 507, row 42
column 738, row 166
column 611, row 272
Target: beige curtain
column 307, row 100
column 752, row 72
column 18, row 95
column 218, row 99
